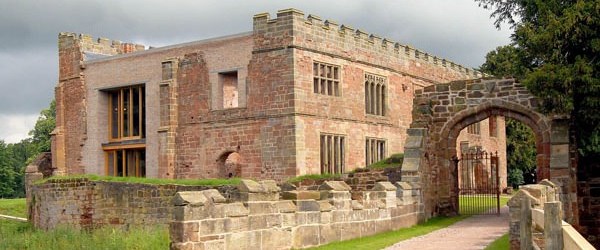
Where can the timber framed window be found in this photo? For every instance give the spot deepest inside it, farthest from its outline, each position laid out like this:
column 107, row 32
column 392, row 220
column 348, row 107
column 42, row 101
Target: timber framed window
column 326, row 79
column 127, row 116
column 126, row 151
column 474, row 129
column 375, row 94
column 126, row 162
column 333, row 154
column 375, row 150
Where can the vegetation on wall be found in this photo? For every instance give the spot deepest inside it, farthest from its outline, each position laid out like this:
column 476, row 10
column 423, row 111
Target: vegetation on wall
column 14, row 157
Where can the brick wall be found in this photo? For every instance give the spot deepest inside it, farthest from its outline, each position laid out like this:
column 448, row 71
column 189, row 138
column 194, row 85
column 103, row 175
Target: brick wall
column 85, row 204
column 261, row 220
column 71, row 102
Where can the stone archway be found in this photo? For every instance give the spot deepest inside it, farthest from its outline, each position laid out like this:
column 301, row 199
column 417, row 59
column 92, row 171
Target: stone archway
column 442, row 111
column 229, row 165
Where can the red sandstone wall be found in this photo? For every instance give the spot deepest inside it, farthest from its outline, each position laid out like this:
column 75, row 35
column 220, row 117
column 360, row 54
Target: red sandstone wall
column 71, row 102
column 194, row 103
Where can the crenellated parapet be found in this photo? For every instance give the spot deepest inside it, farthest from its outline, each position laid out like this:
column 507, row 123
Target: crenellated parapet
column 97, row 46
column 292, row 29
column 260, row 219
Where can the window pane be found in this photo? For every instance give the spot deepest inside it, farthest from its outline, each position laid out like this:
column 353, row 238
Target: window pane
column 135, row 112
column 126, row 111
column 114, row 113
column 143, row 110
column 120, row 169
column 111, row 163
column 142, row 172
column 131, row 162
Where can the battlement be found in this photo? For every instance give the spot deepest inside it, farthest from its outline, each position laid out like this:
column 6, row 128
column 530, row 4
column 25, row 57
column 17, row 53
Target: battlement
column 94, row 47
column 312, row 30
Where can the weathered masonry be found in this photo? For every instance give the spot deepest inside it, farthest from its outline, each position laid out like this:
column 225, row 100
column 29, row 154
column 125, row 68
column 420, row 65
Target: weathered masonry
column 442, row 111
column 297, row 95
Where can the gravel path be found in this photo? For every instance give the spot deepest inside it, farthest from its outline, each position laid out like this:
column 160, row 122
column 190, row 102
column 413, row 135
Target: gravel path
column 475, row 232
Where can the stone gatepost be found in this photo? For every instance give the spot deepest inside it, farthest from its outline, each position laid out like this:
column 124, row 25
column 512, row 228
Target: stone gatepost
column 31, row 176
column 538, row 194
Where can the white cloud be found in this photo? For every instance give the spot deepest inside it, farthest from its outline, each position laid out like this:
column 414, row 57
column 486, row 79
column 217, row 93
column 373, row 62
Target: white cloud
column 14, row 128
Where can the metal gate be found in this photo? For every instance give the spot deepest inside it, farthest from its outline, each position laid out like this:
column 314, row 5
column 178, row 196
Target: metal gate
column 478, row 183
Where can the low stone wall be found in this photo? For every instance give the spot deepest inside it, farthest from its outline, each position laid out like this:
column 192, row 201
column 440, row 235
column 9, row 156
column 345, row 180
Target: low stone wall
column 536, row 220
column 299, row 219
column 85, row 204
column 361, row 180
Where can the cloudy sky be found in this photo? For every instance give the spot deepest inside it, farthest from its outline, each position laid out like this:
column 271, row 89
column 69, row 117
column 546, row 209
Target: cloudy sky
column 458, row 30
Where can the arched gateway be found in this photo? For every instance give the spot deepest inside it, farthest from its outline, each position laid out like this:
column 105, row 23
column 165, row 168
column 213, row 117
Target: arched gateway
column 442, row 111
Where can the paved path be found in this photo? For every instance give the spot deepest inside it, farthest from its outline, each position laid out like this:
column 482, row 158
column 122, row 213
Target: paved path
column 8, row 217
column 475, row 232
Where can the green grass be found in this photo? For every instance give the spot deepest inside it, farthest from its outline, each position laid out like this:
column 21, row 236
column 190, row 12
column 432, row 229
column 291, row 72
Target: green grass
column 393, row 161
column 386, row 239
column 188, row 182
column 474, row 205
column 501, row 243
column 13, row 207
column 21, row 235
column 314, row 177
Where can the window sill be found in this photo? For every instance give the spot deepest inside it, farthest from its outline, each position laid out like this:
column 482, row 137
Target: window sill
column 137, row 143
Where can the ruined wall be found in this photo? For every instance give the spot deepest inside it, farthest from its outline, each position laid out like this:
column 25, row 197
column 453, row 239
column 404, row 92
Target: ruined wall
column 70, row 94
column 85, row 204
column 183, row 102
column 261, row 220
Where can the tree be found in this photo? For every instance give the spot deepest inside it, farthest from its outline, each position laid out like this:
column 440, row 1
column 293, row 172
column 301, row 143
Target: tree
column 558, row 41
column 15, row 157
column 504, row 61
column 7, row 173
column 40, row 134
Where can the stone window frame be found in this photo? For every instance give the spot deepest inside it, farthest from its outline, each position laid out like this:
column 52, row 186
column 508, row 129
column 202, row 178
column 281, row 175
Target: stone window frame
column 376, row 96
column 474, row 129
column 325, row 84
column 216, row 88
column 375, row 150
column 332, row 153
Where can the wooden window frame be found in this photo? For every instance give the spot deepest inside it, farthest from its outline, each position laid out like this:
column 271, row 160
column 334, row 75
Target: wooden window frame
column 137, row 149
column 121, row 113
column 130, row 142
column 326, row 79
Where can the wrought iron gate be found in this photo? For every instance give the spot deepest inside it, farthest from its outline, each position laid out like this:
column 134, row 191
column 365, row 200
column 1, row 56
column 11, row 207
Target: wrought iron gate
column 478, row 183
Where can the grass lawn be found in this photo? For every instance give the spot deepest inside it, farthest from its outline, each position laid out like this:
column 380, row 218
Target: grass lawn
column 501, row 243
column 21, row 235
column 13, row 207
column 478, row 205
